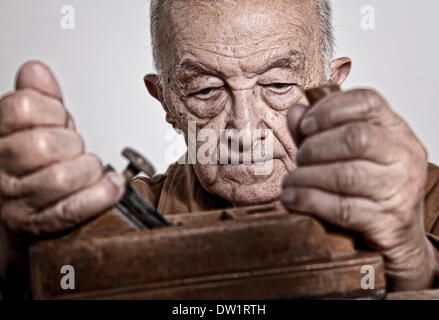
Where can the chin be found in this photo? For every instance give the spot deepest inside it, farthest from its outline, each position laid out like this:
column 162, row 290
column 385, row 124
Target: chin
column 235, row 184
column 250, row 199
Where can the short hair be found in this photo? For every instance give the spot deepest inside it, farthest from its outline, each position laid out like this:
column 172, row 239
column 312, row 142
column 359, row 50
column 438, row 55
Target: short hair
column 327, row 39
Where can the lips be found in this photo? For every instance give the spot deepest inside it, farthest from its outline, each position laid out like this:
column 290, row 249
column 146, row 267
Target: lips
column 249, row 173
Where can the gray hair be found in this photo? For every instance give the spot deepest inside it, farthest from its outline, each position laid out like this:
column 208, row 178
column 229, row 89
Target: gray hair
column 327, row 33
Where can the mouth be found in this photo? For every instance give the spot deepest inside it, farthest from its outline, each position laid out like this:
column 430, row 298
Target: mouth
column 245, row 159
column 254, row 162
column 249, row 173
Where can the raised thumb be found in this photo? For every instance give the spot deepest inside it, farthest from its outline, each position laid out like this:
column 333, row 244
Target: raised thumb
column 37, row 76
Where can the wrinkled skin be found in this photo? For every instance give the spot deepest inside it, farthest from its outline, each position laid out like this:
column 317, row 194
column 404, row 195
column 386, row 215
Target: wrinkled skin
column 240, row 65
column 48, row 184
column 245, row 82
column 361, row 168
column 357, row 165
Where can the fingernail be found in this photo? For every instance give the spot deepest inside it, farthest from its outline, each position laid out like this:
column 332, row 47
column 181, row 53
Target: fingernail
column 117, row 180
column 309, row 125
column 288, row 196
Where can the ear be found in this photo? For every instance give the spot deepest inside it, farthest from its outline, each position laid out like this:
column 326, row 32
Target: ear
column 340, row 69
column 155, row 89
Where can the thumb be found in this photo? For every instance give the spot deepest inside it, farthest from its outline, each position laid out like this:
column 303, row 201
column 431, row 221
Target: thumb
column 294, row 118
column 37, row 76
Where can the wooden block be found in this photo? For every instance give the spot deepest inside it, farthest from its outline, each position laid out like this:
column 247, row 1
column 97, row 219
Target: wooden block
column 414, row 295
column 259, row 252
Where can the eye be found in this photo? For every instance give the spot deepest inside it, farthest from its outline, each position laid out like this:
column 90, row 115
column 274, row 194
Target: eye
column 207, row 93
column 279, row 87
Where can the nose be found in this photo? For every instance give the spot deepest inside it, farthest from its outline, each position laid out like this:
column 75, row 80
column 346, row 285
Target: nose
column 246, row 116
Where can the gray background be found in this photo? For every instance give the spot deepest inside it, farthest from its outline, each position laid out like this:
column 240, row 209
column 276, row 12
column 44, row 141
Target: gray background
column 101, row 63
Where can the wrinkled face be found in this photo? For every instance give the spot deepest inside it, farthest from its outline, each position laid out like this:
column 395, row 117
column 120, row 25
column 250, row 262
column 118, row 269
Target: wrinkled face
column 235, row 67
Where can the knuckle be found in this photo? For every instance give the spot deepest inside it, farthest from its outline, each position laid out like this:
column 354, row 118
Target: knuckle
column 345, row 209
column 60, row 177
column 95, row 161
column 16, row 109
column 68, row 214
column 9, row 186
column 108, row 190
column 77, row 140
column 405, row 218
column 325, row 112
column 357, row 138
column 373, row 100
column 58, row 218
column 43, row 142
column 402, row 211
column 22, row 104
column 52, row 143
column 346, row 177
column 18, row 218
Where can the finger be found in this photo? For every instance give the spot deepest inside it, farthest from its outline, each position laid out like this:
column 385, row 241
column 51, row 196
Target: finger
column 32, row 149
column 358, row 140
column 28, row 108
column 294, row 117
column 55, row 182
column 355, row 178
column 36, row 75
column 355, row 214
column 80, row 207
column 342, row 107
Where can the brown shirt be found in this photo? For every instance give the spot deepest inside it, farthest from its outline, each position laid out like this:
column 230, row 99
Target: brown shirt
column 179, row 191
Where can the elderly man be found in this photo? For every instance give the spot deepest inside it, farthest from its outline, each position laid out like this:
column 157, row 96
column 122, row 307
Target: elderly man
column 234, row 65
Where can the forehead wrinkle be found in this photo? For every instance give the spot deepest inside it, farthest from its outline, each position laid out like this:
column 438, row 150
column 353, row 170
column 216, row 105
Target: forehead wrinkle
column 234, row 49
column 176, row 27
column 204, row 11
column 234, row 55
column 293, row 59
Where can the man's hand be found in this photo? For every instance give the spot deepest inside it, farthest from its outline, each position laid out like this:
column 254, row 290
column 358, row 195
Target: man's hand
column 47, row 183
column 361, row 168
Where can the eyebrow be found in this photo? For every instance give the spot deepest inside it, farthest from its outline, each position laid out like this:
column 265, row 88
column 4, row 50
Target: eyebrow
column 284, row 62
column 189, row 70
column 190, row 65
column 292, row 60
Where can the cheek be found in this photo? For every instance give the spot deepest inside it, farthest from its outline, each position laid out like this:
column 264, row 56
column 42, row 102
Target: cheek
column 206, row 108
column 203, row 113
column 210, row 127
column 284, row 147
column 280, row 124
column 282, row 102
